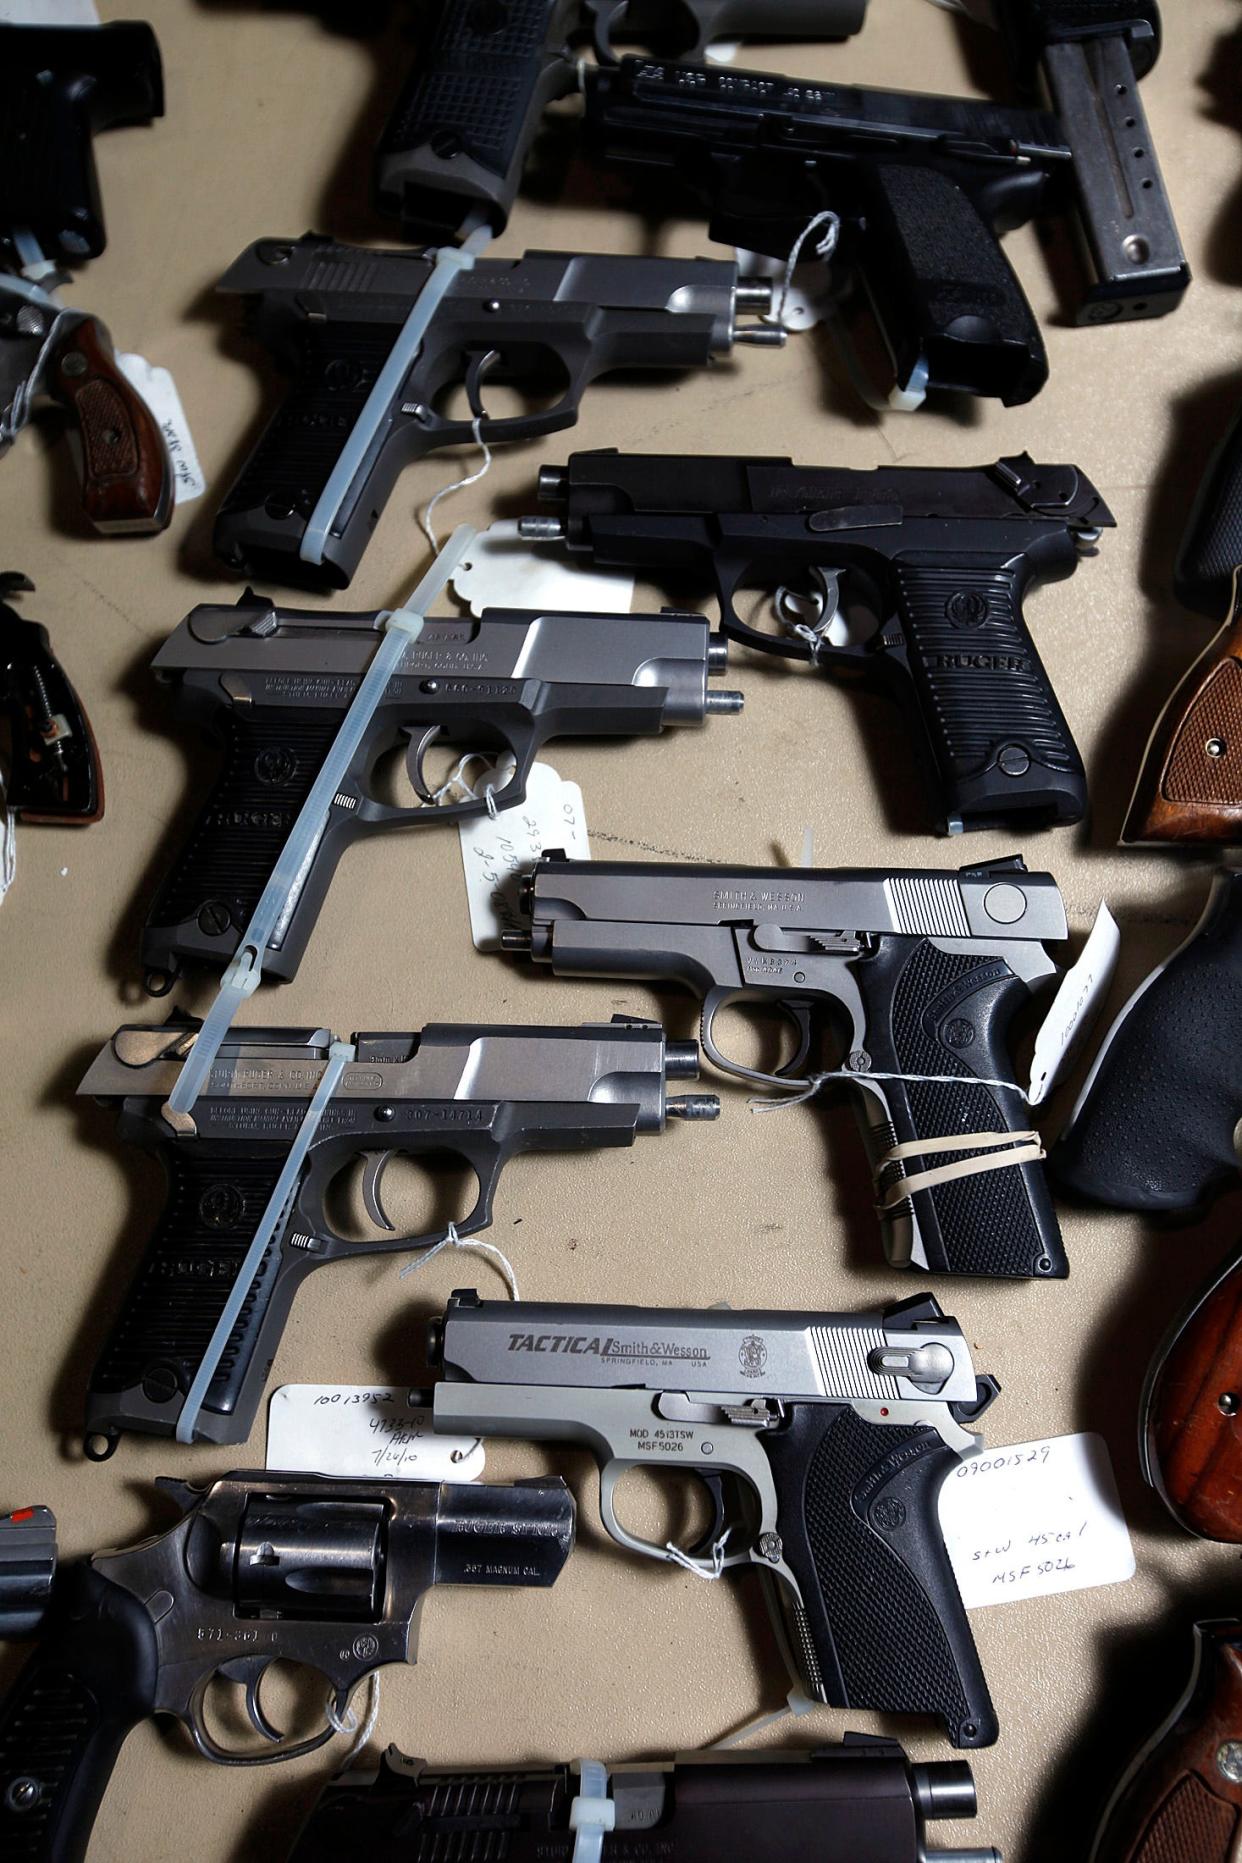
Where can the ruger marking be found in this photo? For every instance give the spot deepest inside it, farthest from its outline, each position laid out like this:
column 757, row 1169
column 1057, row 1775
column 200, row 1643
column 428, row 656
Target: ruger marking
column 822, row 1438
column 939, row 559
column 925, row 970
column 861, row 1801
column 455, row 146
column 481, row 1093
column 261, row 1568
column 275, row 683
column 332, row 314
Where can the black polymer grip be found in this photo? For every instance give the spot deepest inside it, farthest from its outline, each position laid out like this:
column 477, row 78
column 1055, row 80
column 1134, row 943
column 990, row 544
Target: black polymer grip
column 931, row 1012
column 89, row 1681
column 943, row 292
column 271, row 760
column 214, row 1206
column 455, row 146
column 857, row 1508
column 997, row 739
column 261, row 522
column 1156, row 1129
column 1212, row 546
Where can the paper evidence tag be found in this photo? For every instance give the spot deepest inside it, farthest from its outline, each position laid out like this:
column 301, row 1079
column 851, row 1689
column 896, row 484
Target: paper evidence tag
column 364, row 1430
column 503, row 571
column 1075, row 1006
column 48, row 13
column 1035, row 1519
column 497, row 855
column 159, row 391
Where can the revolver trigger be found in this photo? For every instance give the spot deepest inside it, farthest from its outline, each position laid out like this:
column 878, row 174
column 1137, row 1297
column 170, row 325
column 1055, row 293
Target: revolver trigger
column 414, row 757
column 376, row 1165
column 480, row 366
column 250, row 1670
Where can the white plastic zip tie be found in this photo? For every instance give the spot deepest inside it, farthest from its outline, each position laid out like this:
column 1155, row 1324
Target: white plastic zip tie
column 451, row 1239
column 592, row 1813
column 825, row 246
column 449, row 262
column 796, row 1704
column 347, row 1723
column 340, row 1054
column 471, row 478
column 1002, row 1148
column 242, row 974
column 674, row 1554
column 14, row 417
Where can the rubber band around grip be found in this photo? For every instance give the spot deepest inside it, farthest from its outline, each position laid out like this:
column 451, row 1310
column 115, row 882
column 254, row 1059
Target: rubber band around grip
column 592, row 1813
column 1004, row 1149
column 340, row 1054
column 449, row 262
column 242, row 975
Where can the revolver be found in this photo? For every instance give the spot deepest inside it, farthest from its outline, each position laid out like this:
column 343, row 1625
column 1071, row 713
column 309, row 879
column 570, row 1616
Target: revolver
column 58, row 85
column 923, row 969
column 273, row 685
column 917, row 189
column 1156, row 1124
column 1180, row 1800
column 857, row 1801
column 937, row 559
column 261, row 1567
column 481, row 1093
column 358, row 409
column 54, row 774
column 822, row 1439
column 1190, row 1433
column 453, row 152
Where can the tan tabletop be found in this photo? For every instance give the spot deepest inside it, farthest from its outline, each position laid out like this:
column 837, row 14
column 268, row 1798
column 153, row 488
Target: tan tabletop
column 270, row 121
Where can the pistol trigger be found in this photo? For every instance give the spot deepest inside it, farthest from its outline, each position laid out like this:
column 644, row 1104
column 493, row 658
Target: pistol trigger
column 376, row 1165
column 800, row 1015
column 414, row 757
column 702, row 1548
column 811, row 614
column 480, row 366
column 249, row 1671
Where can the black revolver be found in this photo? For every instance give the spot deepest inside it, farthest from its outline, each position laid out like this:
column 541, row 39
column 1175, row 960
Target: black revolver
column 474, row 1092
column 334, row 316
column 274, row 684
column 862, row 1801
column 455, row 146
column 923, row 971
column 262, row 1567
column 940, row 558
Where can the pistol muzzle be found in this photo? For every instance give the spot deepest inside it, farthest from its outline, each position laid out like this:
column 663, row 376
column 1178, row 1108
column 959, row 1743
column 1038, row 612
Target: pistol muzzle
column 753, row 294
column 717, row 653
column 516, row 941
column 553, row 483
column 721, row 702
column 761, row 335
column 541, row 529
column 944, row 1789
column 694, row 1106
column 681, row 1060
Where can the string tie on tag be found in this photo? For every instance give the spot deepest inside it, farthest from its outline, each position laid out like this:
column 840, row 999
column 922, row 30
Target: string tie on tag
column 458, row 485
column 825, row 246
column 676, row 1556
column 347, row 1723
column 451, row 1239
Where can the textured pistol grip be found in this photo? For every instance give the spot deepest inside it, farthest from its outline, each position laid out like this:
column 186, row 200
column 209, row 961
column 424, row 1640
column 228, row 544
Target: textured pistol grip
column 1212, row 546
column 215, row 1203
column 456, row 144
column 943, row 292
column 90, row 1680
column 883, row 1621
column 201, row 910
column 261, row 523
column 997, row 739
column 1192, row 1442
column 1155, row 1127
column 939, row 1013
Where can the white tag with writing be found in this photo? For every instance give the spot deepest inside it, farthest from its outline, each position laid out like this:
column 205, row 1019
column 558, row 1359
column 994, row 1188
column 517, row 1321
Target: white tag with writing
column 1075, row 1006
column 496, row 855
column 48, row 13
column 364, row 1430
column 159, row 391
column 1035, row 1519
column 503, row 571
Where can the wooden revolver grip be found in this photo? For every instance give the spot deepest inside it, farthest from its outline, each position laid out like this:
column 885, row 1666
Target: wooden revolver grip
column 1181, row 1800
column 126, row 474
column 1192, row 1413
column 1190, row 786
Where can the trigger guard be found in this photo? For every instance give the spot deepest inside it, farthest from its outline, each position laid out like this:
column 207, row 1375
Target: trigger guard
column 797, row 1012
column 191, row 1718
